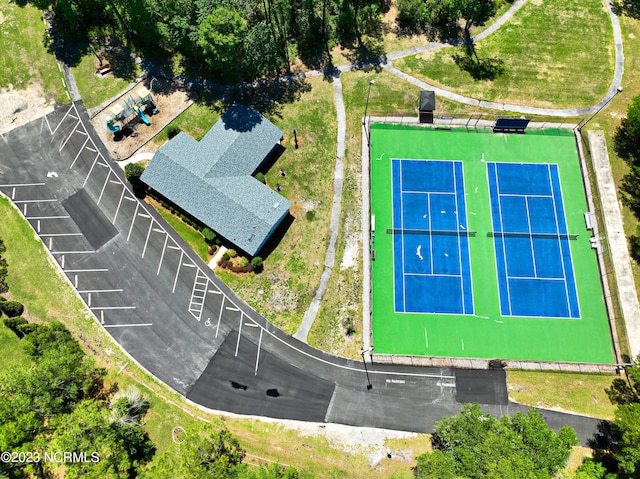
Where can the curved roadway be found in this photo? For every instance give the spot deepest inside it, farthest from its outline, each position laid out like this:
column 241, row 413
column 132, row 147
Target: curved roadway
column 174, row 317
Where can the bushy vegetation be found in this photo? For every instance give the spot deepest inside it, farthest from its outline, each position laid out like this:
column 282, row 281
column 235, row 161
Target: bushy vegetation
column 627, row 146
column 230, row 41
column 476, row 445
column 12, row 308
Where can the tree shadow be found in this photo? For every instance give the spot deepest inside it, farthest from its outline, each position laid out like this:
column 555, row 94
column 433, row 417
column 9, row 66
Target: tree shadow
column 368, row 54
column 630, row 8
column 479, row 68
column 267, row 96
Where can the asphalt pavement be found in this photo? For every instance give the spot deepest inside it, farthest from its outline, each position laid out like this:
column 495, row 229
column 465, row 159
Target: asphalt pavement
column 174, row 317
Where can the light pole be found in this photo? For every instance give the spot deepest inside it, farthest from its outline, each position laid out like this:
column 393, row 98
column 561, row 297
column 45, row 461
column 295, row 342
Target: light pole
column 366, row 108
column 582, row 125
column 362, row 353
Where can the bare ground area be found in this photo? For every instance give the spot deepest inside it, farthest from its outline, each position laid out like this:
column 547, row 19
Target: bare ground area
column 18, row 107
column 171, row 100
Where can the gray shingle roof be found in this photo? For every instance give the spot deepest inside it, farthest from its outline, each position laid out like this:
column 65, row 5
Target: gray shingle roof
column 211, row 179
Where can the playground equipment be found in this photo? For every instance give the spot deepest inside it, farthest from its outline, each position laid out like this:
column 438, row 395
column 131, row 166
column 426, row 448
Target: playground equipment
column 143, row 117
column 135, row 104
column 111, row 125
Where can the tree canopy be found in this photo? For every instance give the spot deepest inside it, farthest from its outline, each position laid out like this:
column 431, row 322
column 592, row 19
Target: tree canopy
column 476, row 445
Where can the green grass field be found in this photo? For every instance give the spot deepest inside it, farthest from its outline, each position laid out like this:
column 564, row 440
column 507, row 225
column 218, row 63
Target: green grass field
column 486, row 334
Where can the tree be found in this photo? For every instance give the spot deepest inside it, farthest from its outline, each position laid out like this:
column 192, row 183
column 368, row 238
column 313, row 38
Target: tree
column 118, row 449
column 476, row 445
column 220, row 36
column 627, row 138
column 204, row 451
column 133, row 172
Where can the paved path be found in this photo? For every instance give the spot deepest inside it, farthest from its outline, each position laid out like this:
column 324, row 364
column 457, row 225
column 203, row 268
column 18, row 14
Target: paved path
column 334, row 224
column 617, row 240
column 312, row 312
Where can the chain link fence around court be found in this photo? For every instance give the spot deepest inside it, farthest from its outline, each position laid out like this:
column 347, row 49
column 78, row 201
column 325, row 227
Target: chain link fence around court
column 547, row 126
column 603, row 249
column 475, row 122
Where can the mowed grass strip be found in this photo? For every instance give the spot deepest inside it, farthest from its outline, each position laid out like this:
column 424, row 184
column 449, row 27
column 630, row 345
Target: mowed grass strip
column 96, row 90
column 25, row 60
column 283, row 291
column 580, row 393
column 556, row 53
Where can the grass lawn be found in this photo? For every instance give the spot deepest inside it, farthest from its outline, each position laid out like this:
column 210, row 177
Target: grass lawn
column 95, row 90
column 12, row 353
column 26, row 59
column 35, row 281
column 283, row 291
column 581, row 393
column 543, row 52
column 195, row 121
column 192, row 237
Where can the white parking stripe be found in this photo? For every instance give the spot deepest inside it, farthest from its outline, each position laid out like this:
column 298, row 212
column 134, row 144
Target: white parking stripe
column 135, row 325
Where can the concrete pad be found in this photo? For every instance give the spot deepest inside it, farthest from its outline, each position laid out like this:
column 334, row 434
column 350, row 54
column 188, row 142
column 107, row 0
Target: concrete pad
column 617, row 240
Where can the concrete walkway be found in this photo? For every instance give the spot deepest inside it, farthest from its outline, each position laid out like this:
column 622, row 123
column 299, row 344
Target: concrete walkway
column 312, row 312
column 334, row 224
column 617, row 240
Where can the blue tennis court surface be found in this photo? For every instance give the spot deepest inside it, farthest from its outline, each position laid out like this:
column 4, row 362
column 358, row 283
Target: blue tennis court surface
column 432, row 272
column 533, row 257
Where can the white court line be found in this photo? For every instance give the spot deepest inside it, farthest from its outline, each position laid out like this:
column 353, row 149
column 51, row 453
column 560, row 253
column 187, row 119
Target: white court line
column 73, row 252
column 101, row 291
column 533, row 255
column 146, row 241
column 255, row 373
column 79, row 153
column 61, row 121
column 220, row 315
column 133, row 220
column 164, row 248
column 95, row 160
column 113, row 222
column 555, row 212
column 17, row 185
column 135, row 325
column 426, row 338
column 504, row 250
column 95, row 270
column 239, row 334
column 175, row 280
column 112, row 307
column 44, row 235
column 106, row 180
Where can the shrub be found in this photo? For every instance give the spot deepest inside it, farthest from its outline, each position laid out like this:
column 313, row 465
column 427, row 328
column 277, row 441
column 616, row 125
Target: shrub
column 225, row 256
column 133, row 172
column 256, row 263
column 349, row 326
column 232, row 253
column 12, row 308
column 209, row 235
column 242, row 262
column 15, row 324
column 260, row 177
column 310, row 215
column 172, row 131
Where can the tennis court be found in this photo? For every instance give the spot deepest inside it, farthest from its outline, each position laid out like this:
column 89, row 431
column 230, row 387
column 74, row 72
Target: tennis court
column 432, row 272
column 479, row 247
column 533, row 255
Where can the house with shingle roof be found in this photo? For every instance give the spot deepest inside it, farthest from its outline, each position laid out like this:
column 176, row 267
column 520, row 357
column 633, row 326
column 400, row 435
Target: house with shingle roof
column 212, row 179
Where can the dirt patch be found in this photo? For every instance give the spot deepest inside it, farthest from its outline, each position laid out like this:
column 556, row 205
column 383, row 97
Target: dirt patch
column 18, row 107
column 171, row 100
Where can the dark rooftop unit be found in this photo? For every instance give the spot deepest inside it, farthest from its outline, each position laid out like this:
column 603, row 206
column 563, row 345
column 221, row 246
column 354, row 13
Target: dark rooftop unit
column 426, row 106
